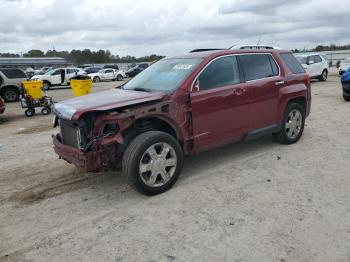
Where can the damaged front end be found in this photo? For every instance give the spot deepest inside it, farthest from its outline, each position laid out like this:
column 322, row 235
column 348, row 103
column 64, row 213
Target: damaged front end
column 91, row 142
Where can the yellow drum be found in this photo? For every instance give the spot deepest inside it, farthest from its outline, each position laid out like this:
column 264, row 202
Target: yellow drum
column 81, row 87
column 34, row 88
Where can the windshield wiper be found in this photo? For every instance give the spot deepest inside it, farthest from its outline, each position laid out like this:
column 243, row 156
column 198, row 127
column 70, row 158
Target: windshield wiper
column 141, row 89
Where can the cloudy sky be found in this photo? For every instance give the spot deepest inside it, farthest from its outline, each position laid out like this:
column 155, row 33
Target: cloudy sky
column 170, row 27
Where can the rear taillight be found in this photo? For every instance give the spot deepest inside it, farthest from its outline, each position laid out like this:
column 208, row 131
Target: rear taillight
column 307, row 80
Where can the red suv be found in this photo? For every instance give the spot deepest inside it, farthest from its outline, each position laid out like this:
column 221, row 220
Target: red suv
column 181, row 106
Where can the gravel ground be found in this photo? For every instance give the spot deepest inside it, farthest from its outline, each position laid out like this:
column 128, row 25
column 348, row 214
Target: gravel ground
column 254, row 201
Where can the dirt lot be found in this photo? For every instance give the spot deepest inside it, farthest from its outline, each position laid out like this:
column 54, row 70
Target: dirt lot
column 255, row 201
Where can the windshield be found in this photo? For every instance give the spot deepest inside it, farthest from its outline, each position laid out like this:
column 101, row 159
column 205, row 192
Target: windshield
column 165, row 75
column 302, row 59
column 50, row 72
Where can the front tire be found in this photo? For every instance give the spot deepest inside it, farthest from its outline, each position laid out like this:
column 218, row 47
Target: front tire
column 292, row 126
column 119, row 78
column 153, row 162
column 46, row 86
column 96, row 79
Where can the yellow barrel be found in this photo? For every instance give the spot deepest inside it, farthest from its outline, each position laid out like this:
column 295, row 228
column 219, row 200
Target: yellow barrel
column 34, row 88
column 81, row 87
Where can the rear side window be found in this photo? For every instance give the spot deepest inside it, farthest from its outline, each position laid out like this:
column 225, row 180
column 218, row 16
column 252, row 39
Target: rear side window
column 318, row 59
column 258, row 66
column 221, row 72
column 292, row 63
column 71, row 71
column 12, row 73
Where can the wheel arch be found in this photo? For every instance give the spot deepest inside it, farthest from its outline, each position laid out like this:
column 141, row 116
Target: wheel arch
column 148, row 123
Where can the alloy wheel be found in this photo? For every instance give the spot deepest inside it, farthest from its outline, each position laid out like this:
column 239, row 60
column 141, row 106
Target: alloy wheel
column 293, row 124
column 158, row 164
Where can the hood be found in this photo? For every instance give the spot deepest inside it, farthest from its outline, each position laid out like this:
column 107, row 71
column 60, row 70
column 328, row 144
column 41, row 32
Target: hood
column 73, row 108
column 93, row 74
column 36, row 77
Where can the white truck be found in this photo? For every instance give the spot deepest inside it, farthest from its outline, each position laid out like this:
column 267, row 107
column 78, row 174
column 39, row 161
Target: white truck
column 58, row 77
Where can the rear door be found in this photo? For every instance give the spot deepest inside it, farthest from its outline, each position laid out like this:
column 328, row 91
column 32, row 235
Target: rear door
column 220, row 107
column 262, row 76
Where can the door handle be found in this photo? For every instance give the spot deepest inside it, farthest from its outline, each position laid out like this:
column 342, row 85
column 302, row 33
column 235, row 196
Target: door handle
column 280, row 83
column 239, row 91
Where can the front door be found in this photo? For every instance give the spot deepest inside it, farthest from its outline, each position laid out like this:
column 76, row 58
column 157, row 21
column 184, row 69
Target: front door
column 221, row 105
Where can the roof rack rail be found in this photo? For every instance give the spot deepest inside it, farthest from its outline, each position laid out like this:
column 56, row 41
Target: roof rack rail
column 253, row 47
column 206, row 49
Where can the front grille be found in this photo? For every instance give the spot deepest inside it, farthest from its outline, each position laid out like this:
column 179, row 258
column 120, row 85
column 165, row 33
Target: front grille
column 69, row 133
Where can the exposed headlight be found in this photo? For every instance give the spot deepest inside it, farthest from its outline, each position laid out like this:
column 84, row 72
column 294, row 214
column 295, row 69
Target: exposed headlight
column 64, row 111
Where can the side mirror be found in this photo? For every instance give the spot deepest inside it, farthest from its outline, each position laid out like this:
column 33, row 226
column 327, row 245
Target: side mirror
column 195, row 87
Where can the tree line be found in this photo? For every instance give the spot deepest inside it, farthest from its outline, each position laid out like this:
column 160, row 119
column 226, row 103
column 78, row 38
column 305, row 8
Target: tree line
column 86, row 56
column 331, row 47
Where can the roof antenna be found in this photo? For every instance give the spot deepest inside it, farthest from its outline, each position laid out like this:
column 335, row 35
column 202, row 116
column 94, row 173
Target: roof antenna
column 259, row 40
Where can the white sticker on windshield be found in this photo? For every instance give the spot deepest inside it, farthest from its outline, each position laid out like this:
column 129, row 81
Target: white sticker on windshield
column 182, row 67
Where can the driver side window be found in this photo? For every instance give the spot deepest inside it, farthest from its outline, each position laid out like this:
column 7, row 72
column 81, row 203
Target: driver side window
column 57, row 72
column 221, row 72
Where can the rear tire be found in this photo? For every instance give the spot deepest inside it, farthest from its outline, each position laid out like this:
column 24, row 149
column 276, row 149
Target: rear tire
column 324, row 75
column 119, row 78
column 96, row 79
column 153, row 162
column 293, row 125
column 10, row 94
column 346, row 98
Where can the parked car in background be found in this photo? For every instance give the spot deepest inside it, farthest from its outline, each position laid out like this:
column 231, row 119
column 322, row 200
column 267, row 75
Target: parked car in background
column 136, row 69
column 315, row 65
column 2, row 106
column 184, row 105
column 58, row 76
column 10, row 83
column 344, row 65
column 345, row 81
column 107, row 74
column 116, row 67
column 92, row 69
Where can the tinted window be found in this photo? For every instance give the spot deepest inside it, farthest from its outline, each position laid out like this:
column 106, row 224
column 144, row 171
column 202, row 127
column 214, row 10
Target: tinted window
column 257, row 66
column 274, row 66
column 12, row 73
column 57, row 72
column 221, row 72
column 71, row 71
column 317, row 59
column 109, row 71
column 292, row 63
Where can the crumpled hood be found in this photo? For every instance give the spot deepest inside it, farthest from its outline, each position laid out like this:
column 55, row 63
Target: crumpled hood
column 73, row 108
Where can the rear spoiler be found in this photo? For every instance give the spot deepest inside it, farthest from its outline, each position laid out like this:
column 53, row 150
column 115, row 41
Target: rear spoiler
column 206, row 49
